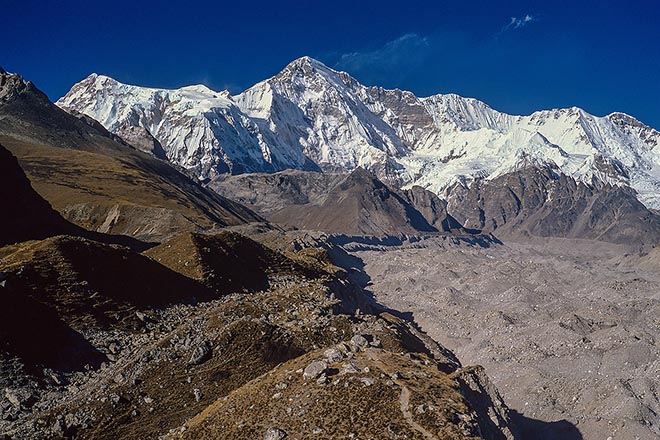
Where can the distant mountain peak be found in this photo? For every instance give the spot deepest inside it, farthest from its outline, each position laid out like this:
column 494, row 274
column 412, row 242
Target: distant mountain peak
column 361, row 177
column 199, row 88
column 311, row 117
column 97, row 77
column 306, row 61
column 310, row 69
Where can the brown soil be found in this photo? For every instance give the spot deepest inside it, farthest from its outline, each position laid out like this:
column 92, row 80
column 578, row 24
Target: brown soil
column 130, row 195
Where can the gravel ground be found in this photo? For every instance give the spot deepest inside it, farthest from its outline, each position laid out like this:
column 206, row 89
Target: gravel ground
column 567, row 329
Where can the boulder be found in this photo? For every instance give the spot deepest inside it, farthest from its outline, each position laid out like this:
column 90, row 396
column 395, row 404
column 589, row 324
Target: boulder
column 275, row 434
column 315, row 369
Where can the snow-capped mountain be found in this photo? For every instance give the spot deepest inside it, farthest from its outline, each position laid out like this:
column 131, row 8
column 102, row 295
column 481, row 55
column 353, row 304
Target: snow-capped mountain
column 199, row 129
column 312, row 117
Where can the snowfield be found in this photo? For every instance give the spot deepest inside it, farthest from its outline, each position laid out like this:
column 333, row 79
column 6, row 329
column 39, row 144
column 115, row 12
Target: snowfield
column 315, row 118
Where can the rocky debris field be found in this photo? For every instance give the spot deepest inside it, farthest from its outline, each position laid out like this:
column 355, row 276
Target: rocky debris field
column 566, row 329
column 306, row 355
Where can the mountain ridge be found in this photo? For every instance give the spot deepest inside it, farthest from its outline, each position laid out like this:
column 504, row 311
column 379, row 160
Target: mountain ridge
column 350, row 204
column 312, row 117
column 359, row 204
column 98, row 181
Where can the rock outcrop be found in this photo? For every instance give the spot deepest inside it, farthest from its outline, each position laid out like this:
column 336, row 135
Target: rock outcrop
column 542, row 201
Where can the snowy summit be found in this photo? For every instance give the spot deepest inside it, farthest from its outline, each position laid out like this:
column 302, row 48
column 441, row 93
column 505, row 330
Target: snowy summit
column 312, row 117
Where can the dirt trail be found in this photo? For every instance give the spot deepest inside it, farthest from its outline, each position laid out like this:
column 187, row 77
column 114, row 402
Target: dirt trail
column 404, row 400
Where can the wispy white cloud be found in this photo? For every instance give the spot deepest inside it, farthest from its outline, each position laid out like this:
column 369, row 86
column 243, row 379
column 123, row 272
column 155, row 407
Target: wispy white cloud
column 405, row 49
column 519, row 22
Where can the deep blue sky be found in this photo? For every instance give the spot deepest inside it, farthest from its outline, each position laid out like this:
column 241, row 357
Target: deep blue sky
column 518, row 56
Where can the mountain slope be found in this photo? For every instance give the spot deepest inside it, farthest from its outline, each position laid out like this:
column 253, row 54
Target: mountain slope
column 339, row 203
column 540, row 200
column 315, row 109
column 121, row 349
column 225, row 262
column 93, row 284
column 389, row 402
column 29, row 217
column 268, row 193
column 312, row 117
column 199, row 129
column 96, row 180
column 432, row 208
column 358, row 205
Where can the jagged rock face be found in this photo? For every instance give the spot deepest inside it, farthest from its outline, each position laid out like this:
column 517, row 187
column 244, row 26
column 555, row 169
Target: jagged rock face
column 311, row 117
column 141, row 139
column 199, row 129
column 12, row 86
column 542, row 201
column 432, row 208
column 319, row 111
column 269, row 193
column 22, row 106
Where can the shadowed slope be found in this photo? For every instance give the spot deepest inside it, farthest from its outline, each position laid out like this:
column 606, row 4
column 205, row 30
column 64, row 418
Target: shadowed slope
column 30, row 217
column 34, row 332
column 91, row 284
column 289, row 195
column 95, row 179
column 26, row 215
column 225, row 262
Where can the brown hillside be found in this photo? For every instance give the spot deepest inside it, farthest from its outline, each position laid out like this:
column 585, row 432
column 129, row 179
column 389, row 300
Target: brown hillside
column 97, row 181
column 358, row 205
column 26, row 215
column 373, row 394
column 537, row 200
column 225, row 262
column 93, row 285
column 30, row 217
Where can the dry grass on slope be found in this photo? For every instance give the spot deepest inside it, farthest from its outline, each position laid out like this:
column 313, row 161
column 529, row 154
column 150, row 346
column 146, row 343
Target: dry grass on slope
column 91, row 284
column 127, row 193
column 152, row 387
column 370, row 394
column 227, row 261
